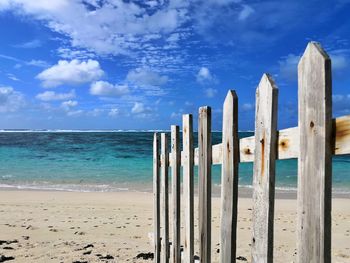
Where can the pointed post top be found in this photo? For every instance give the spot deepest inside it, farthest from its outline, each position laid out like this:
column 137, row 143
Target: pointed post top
column 314, row 49
column 266, row 83
column 231, row 95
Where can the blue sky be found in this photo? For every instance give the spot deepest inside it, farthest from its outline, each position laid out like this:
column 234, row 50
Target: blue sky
column 113, row 64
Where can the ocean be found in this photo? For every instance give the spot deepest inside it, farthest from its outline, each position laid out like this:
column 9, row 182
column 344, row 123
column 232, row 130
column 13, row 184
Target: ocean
column 112, row 161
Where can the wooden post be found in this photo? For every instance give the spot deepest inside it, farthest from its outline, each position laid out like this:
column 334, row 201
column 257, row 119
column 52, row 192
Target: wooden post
column 264, row 170
column 156, row 199
column 165, row 198
column 229, row 179
column 204, row 183
column 176, row 191
column 315, row 156
column 188, row 153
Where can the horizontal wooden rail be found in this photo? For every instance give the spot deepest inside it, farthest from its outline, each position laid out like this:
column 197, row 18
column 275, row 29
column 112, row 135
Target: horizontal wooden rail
column 288, row 143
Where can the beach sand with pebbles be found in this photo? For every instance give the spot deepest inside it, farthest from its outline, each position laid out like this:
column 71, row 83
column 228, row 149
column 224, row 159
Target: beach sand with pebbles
column 37, row 226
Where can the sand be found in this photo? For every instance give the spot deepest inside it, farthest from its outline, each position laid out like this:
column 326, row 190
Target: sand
column 114, row 227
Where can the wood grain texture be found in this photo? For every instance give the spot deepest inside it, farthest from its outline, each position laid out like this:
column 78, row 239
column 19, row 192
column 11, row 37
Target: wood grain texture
column 188, row 163
column 288, row 143
column 156, row 199
column 264, row 170
column 176, row 193
column 229, row 179
column 315, row 156
column 204, row 183
column 341, row 136
column 165, row 198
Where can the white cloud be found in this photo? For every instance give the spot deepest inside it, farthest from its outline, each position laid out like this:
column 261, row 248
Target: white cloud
column 67, row 105
column 106, row 27
column 289, row 66
column 51, row 96
column 4, row 4
column 145, row 77
column 10, row 99
column 72, row 53
column 72, row 72
column 140, row 108
column 137, row 108
column 210, row 92
column 203, row 73
column 30, row 44
column 245, row 13
column 104, row 88
column 113, row 112
column 12, row 77
column 339, row 59
column 204, row 76
column 177, row 115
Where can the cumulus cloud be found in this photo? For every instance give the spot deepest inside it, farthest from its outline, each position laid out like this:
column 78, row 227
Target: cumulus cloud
column 145, row 77
column 72, row 72
column 139, row 108
column 10, row 99
column 67, row 105
column 106, row 89
column 51, row 96
column 204, row 76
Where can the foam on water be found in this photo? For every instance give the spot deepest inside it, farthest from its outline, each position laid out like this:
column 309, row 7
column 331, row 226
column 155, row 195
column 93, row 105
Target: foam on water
column 64, row 160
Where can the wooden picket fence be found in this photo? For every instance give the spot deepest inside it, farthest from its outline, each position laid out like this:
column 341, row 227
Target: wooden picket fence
column 313, row 142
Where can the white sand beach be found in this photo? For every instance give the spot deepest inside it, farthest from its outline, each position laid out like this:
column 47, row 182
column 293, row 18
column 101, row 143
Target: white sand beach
column 37, row 226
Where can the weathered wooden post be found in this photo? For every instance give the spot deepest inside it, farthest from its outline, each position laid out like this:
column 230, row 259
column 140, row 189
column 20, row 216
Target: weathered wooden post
column 188, row 162
column 229, row 179
column 204, row 183
column 176, row 192
column 156, row 199
column 264, row 170
column 165, row 197
column 315, row 156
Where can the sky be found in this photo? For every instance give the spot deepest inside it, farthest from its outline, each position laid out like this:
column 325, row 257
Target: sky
column 132, row 64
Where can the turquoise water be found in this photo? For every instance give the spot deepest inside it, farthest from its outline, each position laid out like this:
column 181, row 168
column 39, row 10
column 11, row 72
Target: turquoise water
column 111, row 161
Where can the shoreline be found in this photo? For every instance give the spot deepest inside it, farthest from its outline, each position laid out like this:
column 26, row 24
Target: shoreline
column 243, row 191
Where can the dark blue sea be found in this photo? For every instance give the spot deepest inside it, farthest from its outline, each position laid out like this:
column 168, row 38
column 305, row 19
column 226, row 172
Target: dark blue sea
column 111, row 161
